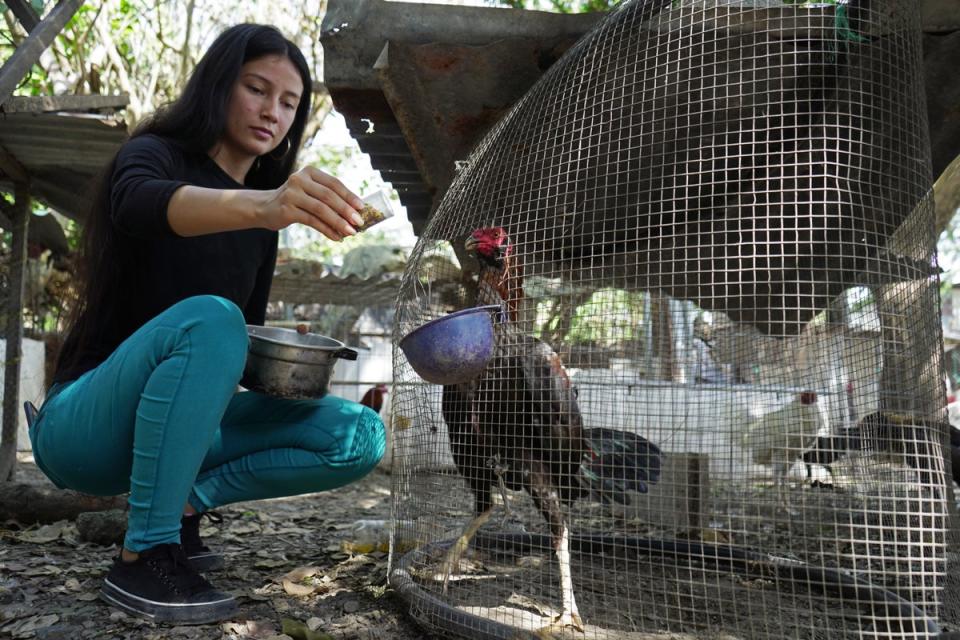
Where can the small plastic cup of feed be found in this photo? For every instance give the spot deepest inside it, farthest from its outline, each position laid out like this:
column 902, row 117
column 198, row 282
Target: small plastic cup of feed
column 376, row 208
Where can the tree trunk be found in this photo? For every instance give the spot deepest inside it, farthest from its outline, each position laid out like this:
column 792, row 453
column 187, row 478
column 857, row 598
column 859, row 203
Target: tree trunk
column 135, row 108
column 185, row 66
column 14, row 333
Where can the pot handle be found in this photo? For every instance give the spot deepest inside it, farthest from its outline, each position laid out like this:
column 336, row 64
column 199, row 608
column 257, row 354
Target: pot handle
column 346, row 353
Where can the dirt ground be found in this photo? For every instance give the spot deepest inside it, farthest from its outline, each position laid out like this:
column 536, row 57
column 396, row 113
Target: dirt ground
column 49, row 579
column 287, row 565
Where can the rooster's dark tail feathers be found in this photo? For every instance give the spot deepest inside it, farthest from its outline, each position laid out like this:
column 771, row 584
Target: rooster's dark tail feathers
column 617, row 462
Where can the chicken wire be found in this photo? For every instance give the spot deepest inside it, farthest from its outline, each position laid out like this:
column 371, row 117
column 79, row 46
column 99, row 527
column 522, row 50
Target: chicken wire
column 719, row 218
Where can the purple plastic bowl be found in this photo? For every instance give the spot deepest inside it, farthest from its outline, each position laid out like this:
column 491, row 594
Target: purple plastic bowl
column 454, row 348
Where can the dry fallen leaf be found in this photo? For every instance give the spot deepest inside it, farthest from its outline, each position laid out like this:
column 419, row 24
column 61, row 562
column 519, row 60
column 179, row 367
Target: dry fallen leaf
column 28, row 627
column 299, row 581
column 43, row 535
column 301, row 572
column 240, row 528
column 297, row 589
column 45, row 570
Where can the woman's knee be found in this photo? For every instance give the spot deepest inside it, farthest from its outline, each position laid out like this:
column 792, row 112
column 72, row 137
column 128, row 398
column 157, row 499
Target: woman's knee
column 366, row 447
column 218, row 324
column 371, row 440
column 213, row 310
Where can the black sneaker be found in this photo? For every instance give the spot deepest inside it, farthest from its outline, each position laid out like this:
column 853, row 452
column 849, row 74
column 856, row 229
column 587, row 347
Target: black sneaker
column 200, row 555
column 161, row 585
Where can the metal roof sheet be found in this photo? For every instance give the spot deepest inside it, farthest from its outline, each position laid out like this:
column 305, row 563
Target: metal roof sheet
column 61, row 152
column 299, row 288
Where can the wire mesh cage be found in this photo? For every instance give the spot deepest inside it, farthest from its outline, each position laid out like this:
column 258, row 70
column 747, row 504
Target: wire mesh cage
column 714, row 404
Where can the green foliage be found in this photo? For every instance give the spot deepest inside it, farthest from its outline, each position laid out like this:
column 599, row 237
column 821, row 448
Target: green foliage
column 608, row 317
column 948, row 250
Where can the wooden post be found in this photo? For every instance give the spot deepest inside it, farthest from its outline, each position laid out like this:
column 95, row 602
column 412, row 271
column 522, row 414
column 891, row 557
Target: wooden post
column 662, row 326
column 14, row 333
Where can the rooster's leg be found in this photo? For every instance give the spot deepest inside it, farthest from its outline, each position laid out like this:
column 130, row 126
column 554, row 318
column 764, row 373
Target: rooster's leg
column 499, row 470
column 451, row 560
column 570, row 616
column 548, row 501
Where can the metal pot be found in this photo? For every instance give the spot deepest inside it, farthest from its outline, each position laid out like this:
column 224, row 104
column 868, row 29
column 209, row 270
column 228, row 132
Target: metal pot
column 284, row 363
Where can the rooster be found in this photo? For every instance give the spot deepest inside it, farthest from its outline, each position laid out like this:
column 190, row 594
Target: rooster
column 904, row 439
column 780, row 437
column 518, row 426
column 374, row 396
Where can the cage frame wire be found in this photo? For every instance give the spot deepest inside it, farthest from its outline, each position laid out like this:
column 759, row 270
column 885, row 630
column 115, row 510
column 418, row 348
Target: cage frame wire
column 861, row 592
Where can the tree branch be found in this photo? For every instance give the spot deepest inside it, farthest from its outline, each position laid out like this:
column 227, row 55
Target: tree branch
column 122, row 76
column 185, row 52
column 17, row 66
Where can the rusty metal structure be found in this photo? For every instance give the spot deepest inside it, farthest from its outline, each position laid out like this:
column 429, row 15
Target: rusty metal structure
column 419, row 85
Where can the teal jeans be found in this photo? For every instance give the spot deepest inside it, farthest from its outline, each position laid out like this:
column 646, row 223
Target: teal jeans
column 161, row 418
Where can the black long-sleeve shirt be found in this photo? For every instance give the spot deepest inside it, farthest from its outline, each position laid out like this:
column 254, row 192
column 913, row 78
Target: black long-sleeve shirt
column 161, row 268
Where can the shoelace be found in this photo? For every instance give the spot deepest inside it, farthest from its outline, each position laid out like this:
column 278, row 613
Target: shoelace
column 173, row 568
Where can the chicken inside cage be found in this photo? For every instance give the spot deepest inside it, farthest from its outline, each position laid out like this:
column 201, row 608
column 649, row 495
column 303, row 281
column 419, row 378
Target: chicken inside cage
column 518, row 426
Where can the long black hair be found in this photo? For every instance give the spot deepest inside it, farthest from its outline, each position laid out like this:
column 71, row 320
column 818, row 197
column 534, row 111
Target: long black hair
column 196, row 122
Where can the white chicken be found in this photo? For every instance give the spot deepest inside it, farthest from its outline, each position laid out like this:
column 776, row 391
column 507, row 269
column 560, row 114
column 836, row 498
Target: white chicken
column 780, row 437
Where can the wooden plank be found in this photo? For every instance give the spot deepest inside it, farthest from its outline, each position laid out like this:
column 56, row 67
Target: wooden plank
column 14, row 334
column 24, row 13
column 47, row 104
column 679, row 501
column 18, row 65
